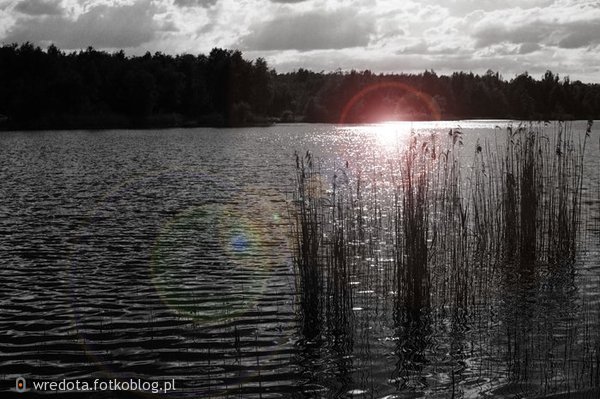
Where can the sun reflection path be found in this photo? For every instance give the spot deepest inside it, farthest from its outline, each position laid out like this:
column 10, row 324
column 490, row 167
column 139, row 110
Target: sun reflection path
column 390, row 135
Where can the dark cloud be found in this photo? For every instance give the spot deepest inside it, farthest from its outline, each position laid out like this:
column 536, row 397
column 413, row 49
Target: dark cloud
column 39, row 7
column 527, row 48
column 337, row 29
column 535, row 31
column 102, row 26
column 576, row 34
column 579, row 35
column 195, row 3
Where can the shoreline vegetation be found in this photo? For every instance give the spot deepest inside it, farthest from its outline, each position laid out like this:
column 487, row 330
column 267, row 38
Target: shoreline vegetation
column 91, row 89
column 517, row 203
column 446, row 232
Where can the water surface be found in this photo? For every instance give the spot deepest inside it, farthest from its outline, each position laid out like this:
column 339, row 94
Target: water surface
column 165, row 254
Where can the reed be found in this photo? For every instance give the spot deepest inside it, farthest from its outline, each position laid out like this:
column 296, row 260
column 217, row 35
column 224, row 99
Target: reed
column 412, row 218
column 522, row 201
column 541, row 188
column 308, row 237
column 446, row 230
column 338, row 253
column 325, row 223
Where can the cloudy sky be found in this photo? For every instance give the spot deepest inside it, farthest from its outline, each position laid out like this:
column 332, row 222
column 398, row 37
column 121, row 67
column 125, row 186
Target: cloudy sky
column 509, row 36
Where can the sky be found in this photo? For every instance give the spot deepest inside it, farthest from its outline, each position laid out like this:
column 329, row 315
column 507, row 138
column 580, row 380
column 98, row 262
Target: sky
column 509, row 36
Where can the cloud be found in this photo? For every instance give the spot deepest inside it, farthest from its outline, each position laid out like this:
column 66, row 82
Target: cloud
column 424, row 47
column 102, row 26
column 527, row 48
column 384, row 35
column 581, row 35
column 462, row 7
column 39, row 7
column 534, row 31
column 342, row 28
column 195, row 3
column 570, row 35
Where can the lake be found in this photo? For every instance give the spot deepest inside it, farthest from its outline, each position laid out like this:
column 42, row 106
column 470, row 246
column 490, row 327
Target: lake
column 169, row 254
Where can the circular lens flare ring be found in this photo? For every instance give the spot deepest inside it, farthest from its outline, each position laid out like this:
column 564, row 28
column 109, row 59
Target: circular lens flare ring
column 426, row 99
column 241, row 240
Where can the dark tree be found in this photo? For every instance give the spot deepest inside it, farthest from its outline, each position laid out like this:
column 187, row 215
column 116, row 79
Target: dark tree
column 90, row 88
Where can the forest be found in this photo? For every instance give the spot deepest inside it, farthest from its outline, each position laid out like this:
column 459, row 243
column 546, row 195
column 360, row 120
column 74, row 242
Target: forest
column 53, row 89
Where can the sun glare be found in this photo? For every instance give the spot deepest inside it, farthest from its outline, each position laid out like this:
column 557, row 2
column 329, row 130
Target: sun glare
column 391, row 135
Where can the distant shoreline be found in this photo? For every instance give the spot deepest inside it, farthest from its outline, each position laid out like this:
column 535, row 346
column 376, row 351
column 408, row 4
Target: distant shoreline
column 122, row 122
column 148, row 125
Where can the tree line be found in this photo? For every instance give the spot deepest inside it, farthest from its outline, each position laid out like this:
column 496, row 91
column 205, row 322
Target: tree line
column 95, row 89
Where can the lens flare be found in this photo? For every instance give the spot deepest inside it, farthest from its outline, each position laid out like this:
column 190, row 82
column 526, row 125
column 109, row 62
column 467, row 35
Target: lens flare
column 203, row 256
column 424, row 98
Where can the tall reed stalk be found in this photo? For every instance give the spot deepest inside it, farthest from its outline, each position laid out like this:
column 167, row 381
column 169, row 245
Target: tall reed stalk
column 308, row 236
